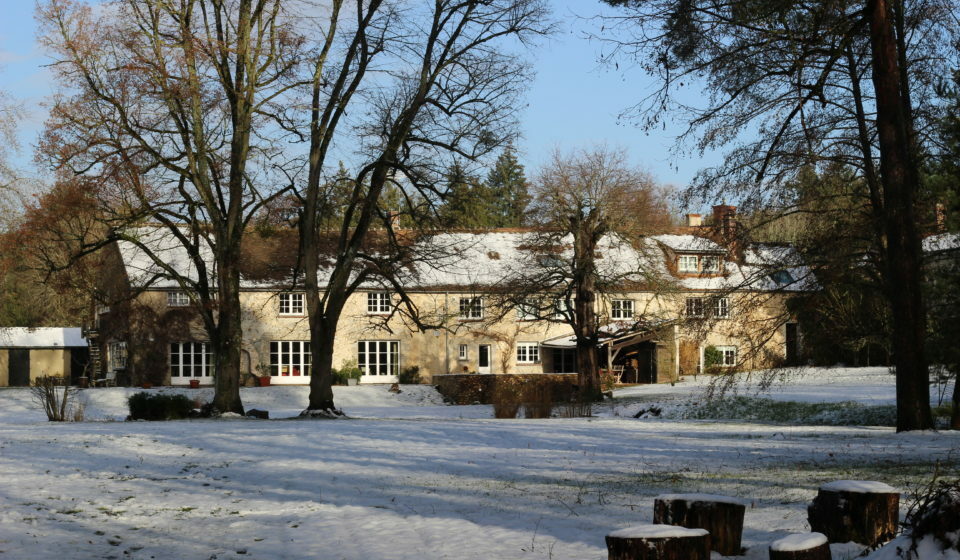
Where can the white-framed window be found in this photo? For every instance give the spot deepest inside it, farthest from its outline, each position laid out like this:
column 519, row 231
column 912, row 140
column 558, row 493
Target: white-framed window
column 379, row 357
column 687, row 263
column 528, row 311
column 528, row 353
column 621, row 309
column 117, row 356
column 694, row 307
column 190, row 359
column 729, row 354
column 463, row 353
column 471, row 308
column 177, row 299
column 102, row 308
column 291, row 303
column 562, row 309
column 379, row 303
column 710, row 263
column 721, row 307
column 290, row 358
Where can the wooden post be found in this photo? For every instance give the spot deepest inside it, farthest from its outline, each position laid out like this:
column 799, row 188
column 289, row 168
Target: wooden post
column 721, row 516
column 802, row 546
column 861, row 511
column 658, row 542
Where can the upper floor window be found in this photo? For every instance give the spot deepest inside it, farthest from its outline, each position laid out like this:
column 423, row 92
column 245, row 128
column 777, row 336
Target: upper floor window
column 688, row 263
column 710, row 263
column 721, row 307
column 621, row 309
column 471, row 308
column 528, row 353
column 378, row 303
column 291, row 303
column 694, row 307
column 528, row 311
column 177, row 299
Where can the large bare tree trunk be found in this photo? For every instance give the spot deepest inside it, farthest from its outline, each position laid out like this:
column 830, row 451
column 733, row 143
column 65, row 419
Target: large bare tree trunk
column 899, row 178
column 227, row 339
column 321, row 374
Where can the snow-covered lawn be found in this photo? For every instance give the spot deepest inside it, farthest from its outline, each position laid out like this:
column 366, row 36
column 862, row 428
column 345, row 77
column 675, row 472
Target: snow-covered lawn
column 409, row 477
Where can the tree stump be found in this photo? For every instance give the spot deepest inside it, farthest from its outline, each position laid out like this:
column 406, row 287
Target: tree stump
column 658, row 542
column 803, row 546
column 721, row 516
column 861, row 511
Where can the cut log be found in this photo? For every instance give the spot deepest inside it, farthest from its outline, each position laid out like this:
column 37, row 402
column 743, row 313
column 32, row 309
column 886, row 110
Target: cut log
column 861, row 511
column 804, row 546
column 658, row 542
column 721, row 516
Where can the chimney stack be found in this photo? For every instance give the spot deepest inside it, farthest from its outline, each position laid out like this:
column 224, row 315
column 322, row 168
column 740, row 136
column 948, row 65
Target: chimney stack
column 724, row 219
column 694, row 220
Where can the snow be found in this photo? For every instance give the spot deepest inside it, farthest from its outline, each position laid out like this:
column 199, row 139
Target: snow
column 651, row 531
column 689, row 243
column 42, row 337
column 859, row 487
column 407, row 476
column 702, row 498
column 927, row 549
column 800, row 541
column 941, row 242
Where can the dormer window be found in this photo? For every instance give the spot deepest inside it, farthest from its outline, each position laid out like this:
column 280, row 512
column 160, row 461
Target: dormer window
column 710, row 263
column 688, row 263
column 698, row 264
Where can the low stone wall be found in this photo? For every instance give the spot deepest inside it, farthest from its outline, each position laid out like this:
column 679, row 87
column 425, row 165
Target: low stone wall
column 470, row 388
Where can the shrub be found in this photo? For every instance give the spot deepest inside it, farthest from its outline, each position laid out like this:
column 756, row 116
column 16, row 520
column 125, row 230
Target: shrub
column 505, row 400
column 57, row 399
column 608, row 380
column 935, row 512
column 712, row 358
column 410, row 375
column 147, row 406
column 576, row 408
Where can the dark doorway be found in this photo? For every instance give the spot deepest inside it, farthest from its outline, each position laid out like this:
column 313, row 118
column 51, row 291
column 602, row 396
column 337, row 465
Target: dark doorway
column 483, row 360
column 647, row 363
column 793, row 344
column 564, row 360
column 19, row 367
column 79, row 358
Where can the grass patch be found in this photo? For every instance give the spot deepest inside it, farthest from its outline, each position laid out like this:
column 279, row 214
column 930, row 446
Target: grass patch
column 752, row 409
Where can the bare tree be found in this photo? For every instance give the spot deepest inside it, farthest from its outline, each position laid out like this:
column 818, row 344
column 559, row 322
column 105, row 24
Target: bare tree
column 169, row 108
column 592, row 210
column 437, row 81
column 810, row 84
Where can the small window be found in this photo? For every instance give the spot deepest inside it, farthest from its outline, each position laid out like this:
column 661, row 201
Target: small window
column 710, row 263
column 694, row 307
column 116, row 356
column 378, row 303
column 687, row 263
column 621, row 309
column 721, row 308
column 291, row 303
column 527, row 311
column 528, row 353
column 463, row 352
column 729, row 354
column 177, row 299
column 471, row 308
column 562, row 309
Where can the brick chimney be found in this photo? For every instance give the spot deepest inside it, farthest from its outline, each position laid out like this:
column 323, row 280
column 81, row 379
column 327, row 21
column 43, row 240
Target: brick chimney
column 725, row 220
column 694, row 220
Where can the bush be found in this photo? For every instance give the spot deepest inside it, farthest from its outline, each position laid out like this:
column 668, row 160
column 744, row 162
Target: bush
column 712, row 358
column 935, row 512
column 506, row 401
column 410, row 375
column 537, row 399
column 147, row 406
column 57, row 399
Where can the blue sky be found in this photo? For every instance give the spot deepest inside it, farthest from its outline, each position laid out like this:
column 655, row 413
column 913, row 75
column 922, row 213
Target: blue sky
column 572, row 103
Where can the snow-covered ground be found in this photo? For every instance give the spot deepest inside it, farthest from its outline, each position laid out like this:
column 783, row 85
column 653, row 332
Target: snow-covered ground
column 410, row 477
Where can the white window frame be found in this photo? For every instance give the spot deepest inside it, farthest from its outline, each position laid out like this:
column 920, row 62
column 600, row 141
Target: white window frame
column 471, row 308
column 379, row 303
column 683, row 263
column 721, row 307
column 290, row 358
column 379, row 358
column 178, row 299
column 528, row 352
column 694, row 307
column 292, row 304
column 463, row 353
column 117, row 355
column 194, row 350
column 729, row 354
column 715, row 259
column 621, row 309
column 527, row 311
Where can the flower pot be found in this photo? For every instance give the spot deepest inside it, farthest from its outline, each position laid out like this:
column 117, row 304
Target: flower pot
column 147, row 385
column 352, row 381
column 264, row 381
column 194, row 383
column 84, row 382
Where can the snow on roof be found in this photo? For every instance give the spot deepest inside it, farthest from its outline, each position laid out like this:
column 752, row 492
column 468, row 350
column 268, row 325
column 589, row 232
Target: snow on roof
column 941, row 242
column 143, row 270
column 689, row 243
column 43, row 337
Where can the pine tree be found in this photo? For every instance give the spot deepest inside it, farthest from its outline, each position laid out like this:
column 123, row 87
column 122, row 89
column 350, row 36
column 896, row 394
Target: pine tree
column 508, row 189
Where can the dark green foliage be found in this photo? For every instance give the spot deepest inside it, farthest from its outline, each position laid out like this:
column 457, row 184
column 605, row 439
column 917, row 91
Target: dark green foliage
column 344, row 374
column 711, row 357
column 500, row 201
column 507, row 185
column 410, row 375
column 147, row 406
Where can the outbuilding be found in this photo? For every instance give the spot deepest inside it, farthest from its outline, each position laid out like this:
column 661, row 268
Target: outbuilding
column 26, row 354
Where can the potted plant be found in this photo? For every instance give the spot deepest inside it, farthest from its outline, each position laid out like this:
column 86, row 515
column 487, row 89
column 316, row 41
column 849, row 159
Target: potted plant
column 263, row 375
column 350, row 372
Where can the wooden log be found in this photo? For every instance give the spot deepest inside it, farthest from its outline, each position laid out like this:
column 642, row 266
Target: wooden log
column 658, row 542
column 861, row 511
column 721, row 516
column 802, row 546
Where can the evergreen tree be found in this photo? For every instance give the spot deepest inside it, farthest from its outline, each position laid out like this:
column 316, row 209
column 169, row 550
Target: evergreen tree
column 468, row 203
column 508, row 188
